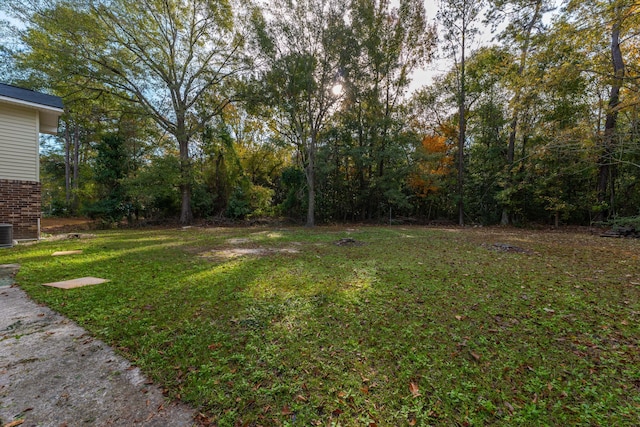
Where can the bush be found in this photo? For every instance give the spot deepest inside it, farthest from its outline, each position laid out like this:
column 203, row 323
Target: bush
column 250, row 200
column 202, row 201
column 292, row 195
column 155, row 188
column 629, row 222
column 260, row 199
column 238, row 206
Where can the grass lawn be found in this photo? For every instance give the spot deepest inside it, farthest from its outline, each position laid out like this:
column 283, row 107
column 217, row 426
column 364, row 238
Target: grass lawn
column 414, row 326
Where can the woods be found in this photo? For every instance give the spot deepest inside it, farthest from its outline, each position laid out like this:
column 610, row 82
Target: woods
column 192, row 109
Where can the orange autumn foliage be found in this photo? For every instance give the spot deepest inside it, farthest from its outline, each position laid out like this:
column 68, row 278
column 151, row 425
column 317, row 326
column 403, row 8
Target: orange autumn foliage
column 434, row 165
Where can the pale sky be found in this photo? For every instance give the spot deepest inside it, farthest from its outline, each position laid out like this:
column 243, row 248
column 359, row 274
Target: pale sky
column 425, row 76
column 439, row 65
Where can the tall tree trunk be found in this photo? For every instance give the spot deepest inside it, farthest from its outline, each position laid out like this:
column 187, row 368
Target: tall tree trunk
column 461, row 135
column 511, row 147
column 361, row 205
column 221, row 189
column 310, row 173
column 67, row 166
column 605, row 165
column 186, row 214
column 76, row 169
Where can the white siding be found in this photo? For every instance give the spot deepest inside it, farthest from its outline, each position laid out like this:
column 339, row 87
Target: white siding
column 19, row 143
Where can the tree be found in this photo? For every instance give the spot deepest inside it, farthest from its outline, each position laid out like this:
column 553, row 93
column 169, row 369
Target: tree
column 301, row 68
column 8, row 46
column 488, row 69
column 172, row 57
column 458, row 19
column 111, row 169
column 616, row 12
column 524, row 20
column 383, row 46
column 614, row 24
column 432, row 166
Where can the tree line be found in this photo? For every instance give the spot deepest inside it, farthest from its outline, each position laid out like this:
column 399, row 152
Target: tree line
column 211, row 108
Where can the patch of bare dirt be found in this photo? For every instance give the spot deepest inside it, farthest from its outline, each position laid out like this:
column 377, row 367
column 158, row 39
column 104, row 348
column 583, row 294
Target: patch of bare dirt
column 505, row 247
column 238, row 241
column 348, row 241
column 70, row 236
column 230, row 253
column 61, row 225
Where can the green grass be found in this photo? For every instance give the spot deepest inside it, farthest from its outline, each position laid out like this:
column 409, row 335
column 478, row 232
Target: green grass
column 414, row 327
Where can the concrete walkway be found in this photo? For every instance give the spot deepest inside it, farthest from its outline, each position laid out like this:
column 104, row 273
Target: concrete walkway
column 53, row 373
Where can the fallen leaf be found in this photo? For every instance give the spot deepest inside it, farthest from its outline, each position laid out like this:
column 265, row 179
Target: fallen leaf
column 412, row 421
column 14, row 423
column 475, row 356
column 286, row 410
column 301, row 398
column 413, row 388
column 365, row 390
column 202, row 419
column 459, row 317
column 509, row 407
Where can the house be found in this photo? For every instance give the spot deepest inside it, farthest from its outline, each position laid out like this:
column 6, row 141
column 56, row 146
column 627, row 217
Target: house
column 24, row 115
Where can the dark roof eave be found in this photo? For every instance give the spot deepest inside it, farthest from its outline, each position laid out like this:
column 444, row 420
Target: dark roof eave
column 30, row 96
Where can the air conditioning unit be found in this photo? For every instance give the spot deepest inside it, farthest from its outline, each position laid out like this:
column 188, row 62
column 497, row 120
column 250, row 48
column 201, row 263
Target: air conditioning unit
column 6, row 235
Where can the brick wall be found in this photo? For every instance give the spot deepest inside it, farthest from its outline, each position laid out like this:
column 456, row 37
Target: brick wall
column 20, row 205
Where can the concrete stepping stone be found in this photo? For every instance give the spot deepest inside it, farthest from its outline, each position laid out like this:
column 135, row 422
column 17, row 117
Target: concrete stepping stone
column 76, row 283
column 9, row 266
column 7, row 275
column 63, row 253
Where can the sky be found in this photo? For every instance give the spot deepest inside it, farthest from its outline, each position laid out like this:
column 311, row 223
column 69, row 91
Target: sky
column 5, row 17
column 425, row 76
column 439, row 65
